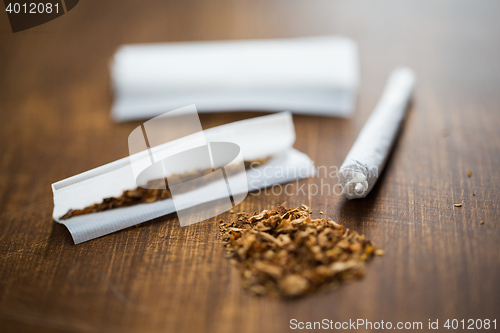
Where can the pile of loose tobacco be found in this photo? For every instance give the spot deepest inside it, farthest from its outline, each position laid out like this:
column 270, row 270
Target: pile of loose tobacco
column 284, row 253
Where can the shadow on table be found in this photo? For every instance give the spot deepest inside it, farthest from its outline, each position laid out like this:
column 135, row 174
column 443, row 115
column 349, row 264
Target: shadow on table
column 60, row 235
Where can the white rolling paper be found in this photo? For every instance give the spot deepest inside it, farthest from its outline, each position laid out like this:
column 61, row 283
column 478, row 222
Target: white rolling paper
column 366, row 159
column 311, row 75
column 260, row 137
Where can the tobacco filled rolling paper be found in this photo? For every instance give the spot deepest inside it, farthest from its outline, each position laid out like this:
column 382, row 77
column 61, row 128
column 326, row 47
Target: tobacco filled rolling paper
column 366, row 159
column 270, row 136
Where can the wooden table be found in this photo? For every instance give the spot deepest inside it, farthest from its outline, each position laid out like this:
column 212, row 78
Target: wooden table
column 440, row 262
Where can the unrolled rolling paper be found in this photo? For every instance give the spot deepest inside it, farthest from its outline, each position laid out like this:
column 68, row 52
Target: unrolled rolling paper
column 261, row 137
column 311, row 75
column 366, row 160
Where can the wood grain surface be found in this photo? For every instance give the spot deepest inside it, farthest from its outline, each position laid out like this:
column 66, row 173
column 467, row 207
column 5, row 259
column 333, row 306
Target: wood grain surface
column 440, row 262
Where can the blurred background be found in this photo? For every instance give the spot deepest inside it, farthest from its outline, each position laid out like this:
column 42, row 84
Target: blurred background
column 60, row 70
column 55, row 102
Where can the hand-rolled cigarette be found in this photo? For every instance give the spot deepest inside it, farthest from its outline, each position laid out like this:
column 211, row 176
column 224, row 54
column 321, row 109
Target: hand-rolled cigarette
column 366, row 159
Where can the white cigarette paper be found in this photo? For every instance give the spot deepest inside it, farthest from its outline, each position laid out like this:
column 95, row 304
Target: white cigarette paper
column 311, row 75
column 262, row 137
column 366, row 159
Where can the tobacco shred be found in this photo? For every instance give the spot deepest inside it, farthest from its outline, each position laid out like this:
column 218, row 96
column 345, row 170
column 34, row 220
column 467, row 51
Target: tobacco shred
column 147, row 195
column 283, row 253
